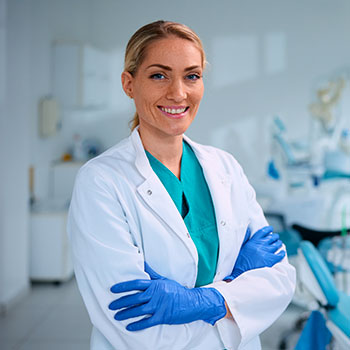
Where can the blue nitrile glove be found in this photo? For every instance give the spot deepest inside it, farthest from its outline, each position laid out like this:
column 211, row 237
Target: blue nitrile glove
column 257, row 252
column 167, row 301
column 315, row 335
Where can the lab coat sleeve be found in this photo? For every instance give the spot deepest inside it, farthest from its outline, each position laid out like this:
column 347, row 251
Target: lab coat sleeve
column 104, row 251
column 257, row 297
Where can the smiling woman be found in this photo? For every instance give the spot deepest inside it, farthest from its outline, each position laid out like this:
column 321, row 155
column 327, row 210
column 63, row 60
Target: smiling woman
column 164, row 63
column 172, row 221
column 167, row 89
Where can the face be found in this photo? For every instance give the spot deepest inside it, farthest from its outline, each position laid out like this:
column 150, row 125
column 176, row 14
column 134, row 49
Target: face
column 167, row 87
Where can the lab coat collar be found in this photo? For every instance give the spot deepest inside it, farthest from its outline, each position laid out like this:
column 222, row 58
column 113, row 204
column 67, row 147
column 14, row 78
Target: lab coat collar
column 141, row 161
column 157, row 198
column 205, row 158
column 212, row 173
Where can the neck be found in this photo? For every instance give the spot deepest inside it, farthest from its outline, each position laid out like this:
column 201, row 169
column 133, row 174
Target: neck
column 167, row 149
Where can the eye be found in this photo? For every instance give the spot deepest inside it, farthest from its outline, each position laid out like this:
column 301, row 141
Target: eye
column 157, row 76
column 193, row 76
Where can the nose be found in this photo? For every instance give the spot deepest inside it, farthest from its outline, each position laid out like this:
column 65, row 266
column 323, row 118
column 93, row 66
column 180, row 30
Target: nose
column 177, row 91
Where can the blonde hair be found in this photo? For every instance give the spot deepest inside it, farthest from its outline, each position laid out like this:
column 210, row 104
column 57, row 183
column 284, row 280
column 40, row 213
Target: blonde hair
column 137, row 46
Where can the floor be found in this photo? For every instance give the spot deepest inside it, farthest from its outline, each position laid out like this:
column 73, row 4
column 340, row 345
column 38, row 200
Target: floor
column 54, row 318
column 50, row 318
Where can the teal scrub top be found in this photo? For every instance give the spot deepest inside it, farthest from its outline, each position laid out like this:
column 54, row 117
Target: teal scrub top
column 192, row 198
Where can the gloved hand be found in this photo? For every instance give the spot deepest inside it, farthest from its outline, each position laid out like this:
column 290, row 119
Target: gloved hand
column 258, row 251
column 167, row 301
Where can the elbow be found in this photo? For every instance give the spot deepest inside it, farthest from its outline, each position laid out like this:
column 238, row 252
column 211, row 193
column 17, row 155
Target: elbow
column 288, row 283
column 293, row 278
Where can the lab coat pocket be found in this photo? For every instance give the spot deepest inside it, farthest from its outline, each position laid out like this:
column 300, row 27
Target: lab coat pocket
column 240, row 234
column 229, row 249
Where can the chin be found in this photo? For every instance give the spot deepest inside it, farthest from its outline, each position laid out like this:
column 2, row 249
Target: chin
column 177, row 130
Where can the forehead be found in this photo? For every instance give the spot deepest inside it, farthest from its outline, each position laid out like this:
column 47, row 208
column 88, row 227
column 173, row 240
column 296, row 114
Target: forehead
column 173, row 51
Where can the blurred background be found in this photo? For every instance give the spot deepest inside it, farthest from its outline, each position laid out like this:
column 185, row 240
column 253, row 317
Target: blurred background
column 277, row 96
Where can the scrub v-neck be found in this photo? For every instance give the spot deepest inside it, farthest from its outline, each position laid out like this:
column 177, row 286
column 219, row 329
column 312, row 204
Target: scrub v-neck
column 192, row 198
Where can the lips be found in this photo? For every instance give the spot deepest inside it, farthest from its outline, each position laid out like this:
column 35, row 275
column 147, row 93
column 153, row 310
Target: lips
column 174, row 111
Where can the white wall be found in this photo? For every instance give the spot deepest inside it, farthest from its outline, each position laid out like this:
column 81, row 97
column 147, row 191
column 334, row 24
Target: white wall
column 248, row 79
column 15, row 100
column 2, row 127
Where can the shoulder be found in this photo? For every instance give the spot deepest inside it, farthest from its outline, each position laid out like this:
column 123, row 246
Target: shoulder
column 109, row 164
column 216, row 156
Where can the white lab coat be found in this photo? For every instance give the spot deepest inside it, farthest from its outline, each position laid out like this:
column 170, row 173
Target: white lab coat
column 121, row 215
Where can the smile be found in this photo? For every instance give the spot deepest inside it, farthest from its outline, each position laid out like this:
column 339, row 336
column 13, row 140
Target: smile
column 174, row 111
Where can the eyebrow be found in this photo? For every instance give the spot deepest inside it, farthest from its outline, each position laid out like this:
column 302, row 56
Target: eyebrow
column 170, row 69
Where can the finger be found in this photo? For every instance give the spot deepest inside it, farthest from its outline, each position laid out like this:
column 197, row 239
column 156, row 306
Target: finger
column 281, row 255
column 154, row 275
column 228, row 278
column 271, row 259
column 129, row 301
column 143, row 324
column 273, row 247
column 130, row 285
column 136, row 311
column 268, row 228
column 277, row 257
column 274, row 237
column 263, row 232
column 268, row 239
column 277, row 245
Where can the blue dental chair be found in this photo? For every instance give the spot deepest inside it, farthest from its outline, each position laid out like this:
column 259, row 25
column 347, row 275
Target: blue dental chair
column 315, row 277
column 288, row 235
column 315, row 236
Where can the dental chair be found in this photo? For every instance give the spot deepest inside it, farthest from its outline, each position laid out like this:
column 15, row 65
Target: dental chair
column 314, row 236
column 315, row 278
column 289, row 236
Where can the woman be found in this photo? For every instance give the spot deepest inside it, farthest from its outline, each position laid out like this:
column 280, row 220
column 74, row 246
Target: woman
column 169, row 220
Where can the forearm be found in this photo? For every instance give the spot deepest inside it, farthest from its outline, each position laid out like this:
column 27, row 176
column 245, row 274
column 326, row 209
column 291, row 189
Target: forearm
column 228, row 312
column 267, row 291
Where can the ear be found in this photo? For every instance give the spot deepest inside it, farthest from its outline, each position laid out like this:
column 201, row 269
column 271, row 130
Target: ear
column 127, row 83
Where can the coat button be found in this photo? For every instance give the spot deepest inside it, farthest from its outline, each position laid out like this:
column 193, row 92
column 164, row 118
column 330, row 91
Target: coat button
column 149, row 192
column 223, row 223
column 188, row 235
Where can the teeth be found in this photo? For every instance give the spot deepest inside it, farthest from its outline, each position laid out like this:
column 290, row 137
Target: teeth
column 173, row 110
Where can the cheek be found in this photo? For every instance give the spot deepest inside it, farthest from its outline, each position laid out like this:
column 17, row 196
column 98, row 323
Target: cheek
column 141, row 99
column 146, row 95
column 197, row 95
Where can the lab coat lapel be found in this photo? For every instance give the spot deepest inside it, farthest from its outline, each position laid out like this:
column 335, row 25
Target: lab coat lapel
column 225, row 204
column 158, row 199
column 220, row 190
column 219, row 184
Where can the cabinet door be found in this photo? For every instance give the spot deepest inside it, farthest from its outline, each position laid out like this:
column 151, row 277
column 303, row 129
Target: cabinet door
column 49, row 252
column 96, row 72
column 89, row 76
column 66, row 74
column 81, row 76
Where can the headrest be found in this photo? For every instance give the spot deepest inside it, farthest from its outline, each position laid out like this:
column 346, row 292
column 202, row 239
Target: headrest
column 321, row 272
